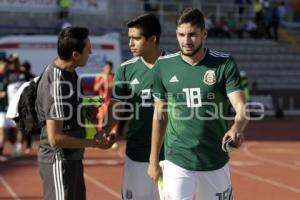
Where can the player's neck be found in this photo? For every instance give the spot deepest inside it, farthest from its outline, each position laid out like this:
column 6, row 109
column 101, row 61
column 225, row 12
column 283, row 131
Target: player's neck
column 151, row 57
column 64, row 65
column 194, row 59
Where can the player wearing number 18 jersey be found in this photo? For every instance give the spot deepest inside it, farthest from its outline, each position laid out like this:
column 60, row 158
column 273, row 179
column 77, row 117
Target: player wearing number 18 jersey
column 196, row 84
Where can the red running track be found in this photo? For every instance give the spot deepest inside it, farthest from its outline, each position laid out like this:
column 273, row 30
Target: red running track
column 261, row 170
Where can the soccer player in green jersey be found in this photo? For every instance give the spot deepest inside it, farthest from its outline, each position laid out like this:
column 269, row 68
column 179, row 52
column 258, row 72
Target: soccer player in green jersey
column 132, row 85
column 194, row 86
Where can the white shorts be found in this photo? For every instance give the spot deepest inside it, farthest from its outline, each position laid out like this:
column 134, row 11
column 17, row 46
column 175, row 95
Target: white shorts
column 5, row 122
column 137, row 185
column 182, row 184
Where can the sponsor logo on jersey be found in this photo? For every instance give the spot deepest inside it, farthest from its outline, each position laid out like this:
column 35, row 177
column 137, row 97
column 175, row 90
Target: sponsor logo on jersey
column 135, row 82
column 173, row 79
column 209, row 77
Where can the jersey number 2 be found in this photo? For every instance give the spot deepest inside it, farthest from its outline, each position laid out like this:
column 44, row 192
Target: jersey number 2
column 146, row 97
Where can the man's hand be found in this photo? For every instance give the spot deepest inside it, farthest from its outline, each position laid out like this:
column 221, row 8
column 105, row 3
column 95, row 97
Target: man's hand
column 154, row 171
column 237, row 137
column 104, row 141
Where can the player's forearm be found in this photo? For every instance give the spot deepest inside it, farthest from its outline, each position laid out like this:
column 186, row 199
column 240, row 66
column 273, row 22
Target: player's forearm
column 240, row 122
column 158, row 132
column 238, row 102
column 57, row 138
column 66, row 141
column 156, row 143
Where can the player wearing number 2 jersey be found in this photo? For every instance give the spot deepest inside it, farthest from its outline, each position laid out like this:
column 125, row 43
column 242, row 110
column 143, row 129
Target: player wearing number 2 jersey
column 196, row 84
column 133, row 84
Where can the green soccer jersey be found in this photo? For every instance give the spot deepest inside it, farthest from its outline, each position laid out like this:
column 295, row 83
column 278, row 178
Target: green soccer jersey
column 197, row 104
column 133, row 84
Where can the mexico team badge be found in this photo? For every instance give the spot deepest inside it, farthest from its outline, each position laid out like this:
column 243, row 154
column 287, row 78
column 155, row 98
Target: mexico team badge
column 209, row 77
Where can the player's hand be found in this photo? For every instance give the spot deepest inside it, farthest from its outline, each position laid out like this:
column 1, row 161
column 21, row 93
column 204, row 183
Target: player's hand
column 154, row 171
column 237, row 137
column 104, row 141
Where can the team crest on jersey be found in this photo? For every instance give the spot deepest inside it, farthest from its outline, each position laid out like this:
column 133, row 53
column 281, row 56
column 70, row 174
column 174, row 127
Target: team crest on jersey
column 209, row 77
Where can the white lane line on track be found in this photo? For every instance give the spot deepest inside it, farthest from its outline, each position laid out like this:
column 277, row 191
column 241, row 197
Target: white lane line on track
column 265, row 180
column 247, row 151
column 107, row 162
column 102, row 186
column 240, row 163
column 9, row 189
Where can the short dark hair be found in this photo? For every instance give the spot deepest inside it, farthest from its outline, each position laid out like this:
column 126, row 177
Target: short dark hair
column 191, row 15
column 148, row 23
column 71, row 39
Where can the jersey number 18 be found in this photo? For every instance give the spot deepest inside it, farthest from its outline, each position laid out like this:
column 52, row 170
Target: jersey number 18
column 193, row 97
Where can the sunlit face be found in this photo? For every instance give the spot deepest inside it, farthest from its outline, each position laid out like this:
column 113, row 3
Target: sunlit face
column 84, row 56
column 190, row 38
column 138, row 44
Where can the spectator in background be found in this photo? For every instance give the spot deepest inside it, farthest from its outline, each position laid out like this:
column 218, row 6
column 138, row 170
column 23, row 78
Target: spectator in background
column 218, row 28
column 275, row 20
column 268, row 21
column 258, row 10
column 103, row 87
column 271, row 21
column 282, row 10
column 25, row 71
column 13, row 67
column 15, row 81
column 240, row 4
column 231, row 26
column 3, row 105
column 251, row 28
column 64, row 6
column 234, row 26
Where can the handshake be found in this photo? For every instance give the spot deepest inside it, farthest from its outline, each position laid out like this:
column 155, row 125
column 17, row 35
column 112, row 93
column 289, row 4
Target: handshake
column 104, row 141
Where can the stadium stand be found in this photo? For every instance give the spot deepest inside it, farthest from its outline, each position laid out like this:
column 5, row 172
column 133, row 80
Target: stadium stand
column 272, row 67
